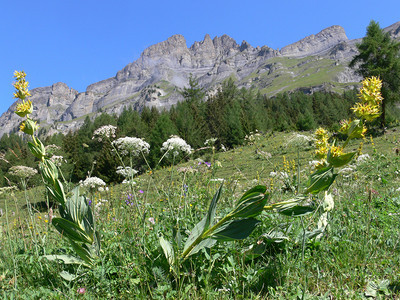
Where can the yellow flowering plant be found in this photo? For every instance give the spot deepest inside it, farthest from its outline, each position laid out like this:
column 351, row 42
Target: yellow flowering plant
column 77, row 220
column 331, row 156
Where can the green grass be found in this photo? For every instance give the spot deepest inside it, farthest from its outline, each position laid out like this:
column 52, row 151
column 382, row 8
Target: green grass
column 361, row 244
column 294, row 73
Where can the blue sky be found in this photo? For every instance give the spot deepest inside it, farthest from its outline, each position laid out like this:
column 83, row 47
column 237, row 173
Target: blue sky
column 80, row 42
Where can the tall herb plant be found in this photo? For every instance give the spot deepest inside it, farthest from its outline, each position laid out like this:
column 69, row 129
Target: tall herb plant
column 76, row 221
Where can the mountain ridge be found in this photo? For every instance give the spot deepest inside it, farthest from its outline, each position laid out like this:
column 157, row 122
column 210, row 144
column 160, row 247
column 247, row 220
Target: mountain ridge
column 155, row 78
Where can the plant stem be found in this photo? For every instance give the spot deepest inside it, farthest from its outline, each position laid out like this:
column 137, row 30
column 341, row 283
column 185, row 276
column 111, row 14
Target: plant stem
column 205, row 235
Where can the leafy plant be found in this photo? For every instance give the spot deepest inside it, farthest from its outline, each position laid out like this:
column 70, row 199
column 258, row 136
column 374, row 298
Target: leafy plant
column 76, row 222
column 236, row 225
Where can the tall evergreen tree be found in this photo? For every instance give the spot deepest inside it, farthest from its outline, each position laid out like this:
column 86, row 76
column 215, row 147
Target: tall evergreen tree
column 189, row 115
column 163, row 129
column 379, row 55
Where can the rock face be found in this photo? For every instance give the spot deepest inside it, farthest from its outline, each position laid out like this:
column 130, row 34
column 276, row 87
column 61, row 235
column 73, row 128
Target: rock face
column 164, row 68
column 316, row 44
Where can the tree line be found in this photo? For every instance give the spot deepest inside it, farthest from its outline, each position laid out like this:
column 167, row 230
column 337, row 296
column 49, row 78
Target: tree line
column 228, row 115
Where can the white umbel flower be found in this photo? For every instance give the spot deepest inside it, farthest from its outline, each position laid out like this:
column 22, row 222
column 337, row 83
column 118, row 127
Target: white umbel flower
column 176, row 145
column 104, row 132
column 57, row 160
column 131, row 146
column 126, row 172
column 22, row 171
column 363, row 158
column 92, row 183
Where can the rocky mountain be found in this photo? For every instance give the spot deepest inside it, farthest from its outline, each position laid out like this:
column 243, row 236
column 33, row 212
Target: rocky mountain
column 317, row 62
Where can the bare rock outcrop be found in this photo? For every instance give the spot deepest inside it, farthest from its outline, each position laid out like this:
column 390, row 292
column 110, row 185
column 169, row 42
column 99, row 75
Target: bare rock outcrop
column 316, row 44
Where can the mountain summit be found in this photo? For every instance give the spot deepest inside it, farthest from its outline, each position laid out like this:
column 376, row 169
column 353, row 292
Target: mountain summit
column 318, row 61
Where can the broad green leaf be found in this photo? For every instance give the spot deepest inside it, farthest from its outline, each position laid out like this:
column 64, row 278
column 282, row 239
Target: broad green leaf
column 288, row 204
column 296, row 211
column 49, row 171
column 320, row 180
column 235, row 229
column 71, row 230
column 355, row 129
column 250, row 205
column 53, row 194
column 205, row 223
column 83, row 252
column 274, row 237
column 259, row 248
column 206, row 243
column 211, row 210
column 37, row 150
column 196, row 232
column 68, row 276
column 66, row 259
column 261, row 189
column 56, row 191
column 168, row 251
column 255, row 250
column 340, row 161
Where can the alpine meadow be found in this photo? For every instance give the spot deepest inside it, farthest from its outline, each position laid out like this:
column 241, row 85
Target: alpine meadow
column 273, row 174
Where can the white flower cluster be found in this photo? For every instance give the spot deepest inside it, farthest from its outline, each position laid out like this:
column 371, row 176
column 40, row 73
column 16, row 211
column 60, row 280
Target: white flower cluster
column 313, row 164
column 175, row 145
column 131, row 146
column 279, row 175
column 8, row 189
column 104, row 132
column 363, row 158
column 210, row 142
column 99, row 205
column 51, row 149
column 57, row 160
column 126, row 172
column 22, row 171
column 252, row 137
column 92, row 183
column 347, row 172
column 299, row 140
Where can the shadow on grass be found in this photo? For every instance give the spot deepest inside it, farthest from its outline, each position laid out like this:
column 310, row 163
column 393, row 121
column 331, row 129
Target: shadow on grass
column 41, row 206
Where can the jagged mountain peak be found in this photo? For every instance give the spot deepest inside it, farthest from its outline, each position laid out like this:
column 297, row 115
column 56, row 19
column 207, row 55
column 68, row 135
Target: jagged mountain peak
column 175, row 43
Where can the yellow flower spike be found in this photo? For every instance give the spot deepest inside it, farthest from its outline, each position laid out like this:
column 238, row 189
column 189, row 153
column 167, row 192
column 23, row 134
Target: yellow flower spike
column 366, row 111
column 24, row 108
column 19, row 75
column 22, row 126
column 371, row 99
column 321, row 134
column 336, row 151
column 344, row 126
column 21, row 87
column 371, row 91
column 321, row 164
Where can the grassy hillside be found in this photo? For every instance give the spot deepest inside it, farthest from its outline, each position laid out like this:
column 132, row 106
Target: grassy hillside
column 282, row 74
